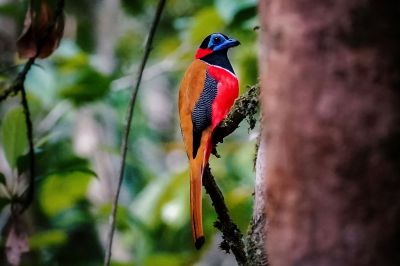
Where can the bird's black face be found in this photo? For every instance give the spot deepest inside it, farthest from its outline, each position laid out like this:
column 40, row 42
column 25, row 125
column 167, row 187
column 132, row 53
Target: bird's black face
column 215, row 42
column 218, row 42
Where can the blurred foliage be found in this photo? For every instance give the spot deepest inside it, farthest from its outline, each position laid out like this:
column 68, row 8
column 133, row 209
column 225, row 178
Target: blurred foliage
column 13, row 135
column 78, row 99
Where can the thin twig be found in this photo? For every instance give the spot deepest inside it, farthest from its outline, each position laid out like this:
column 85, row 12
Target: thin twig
column 18, row 86
column 124, row 147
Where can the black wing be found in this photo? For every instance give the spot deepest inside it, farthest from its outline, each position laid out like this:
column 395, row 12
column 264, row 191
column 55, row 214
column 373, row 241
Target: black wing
column 201, row 115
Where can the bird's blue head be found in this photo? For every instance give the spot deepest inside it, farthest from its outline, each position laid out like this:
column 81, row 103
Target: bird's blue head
column 215, row 42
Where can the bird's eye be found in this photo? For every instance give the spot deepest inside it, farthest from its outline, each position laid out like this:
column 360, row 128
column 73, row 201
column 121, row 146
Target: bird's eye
column 217, row 39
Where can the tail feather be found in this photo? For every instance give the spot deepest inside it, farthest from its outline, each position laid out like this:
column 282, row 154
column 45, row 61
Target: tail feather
column 197, row 166
column 196, row 208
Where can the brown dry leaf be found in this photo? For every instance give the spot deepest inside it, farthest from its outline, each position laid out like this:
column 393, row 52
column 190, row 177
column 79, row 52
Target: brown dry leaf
column 17, row 242
column 53, row 39
column 26, row 44
column 36, row 32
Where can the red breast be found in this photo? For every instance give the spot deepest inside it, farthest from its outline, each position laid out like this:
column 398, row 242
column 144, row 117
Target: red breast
column 227, row 92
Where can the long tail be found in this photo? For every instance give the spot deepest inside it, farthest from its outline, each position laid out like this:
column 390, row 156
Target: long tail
column 197, row 165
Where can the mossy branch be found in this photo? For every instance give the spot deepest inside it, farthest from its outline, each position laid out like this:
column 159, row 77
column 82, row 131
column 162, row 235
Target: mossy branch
column 246, row 106
column 232, row 237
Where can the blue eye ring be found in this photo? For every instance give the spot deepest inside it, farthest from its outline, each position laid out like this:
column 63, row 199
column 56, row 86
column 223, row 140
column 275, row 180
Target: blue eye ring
column 216, row 40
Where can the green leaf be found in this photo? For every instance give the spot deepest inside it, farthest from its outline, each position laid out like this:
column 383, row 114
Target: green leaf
column 243, row 16
column 73, row 217
column 90, row 85
column 160, row 192
column 9, row 9
column 62, row 191
column 122, row 220
column 49, row 238
column 230, row 9
column 3, row 203
column 2, row 179
column 132, row 7
column 58, row 157
column 119, row 263
column 81, row 169
column 13, row 135
column 169, row 259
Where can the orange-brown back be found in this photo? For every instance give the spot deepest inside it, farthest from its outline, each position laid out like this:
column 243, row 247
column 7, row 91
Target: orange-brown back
column 189, row 92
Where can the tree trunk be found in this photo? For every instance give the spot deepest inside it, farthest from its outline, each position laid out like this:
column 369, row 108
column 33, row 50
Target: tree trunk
column 256, row 238
column 331, row 98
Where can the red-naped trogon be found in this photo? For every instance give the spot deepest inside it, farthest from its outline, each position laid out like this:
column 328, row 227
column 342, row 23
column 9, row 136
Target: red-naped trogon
column 207, row 92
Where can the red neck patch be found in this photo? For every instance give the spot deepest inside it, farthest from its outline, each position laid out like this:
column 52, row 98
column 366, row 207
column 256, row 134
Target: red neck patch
column 202, row 52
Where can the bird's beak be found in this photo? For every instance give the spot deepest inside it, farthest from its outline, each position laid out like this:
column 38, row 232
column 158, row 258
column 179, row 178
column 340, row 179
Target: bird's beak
column 228, row 44
column 233, row 42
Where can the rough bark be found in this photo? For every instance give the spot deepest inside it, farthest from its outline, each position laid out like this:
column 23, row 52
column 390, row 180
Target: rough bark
column 331, row 97
column 256, row 237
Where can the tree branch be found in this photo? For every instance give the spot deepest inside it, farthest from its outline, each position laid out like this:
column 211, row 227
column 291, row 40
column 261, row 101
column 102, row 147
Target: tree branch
column 232, row 237
column 245, row 106
column 124, row 147
column 6, row 93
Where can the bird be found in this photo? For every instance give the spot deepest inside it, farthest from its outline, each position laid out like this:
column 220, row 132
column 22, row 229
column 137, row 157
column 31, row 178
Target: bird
column 206, row 93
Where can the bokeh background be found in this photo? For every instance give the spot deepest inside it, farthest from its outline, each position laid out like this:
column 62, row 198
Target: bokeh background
column 78, row 98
